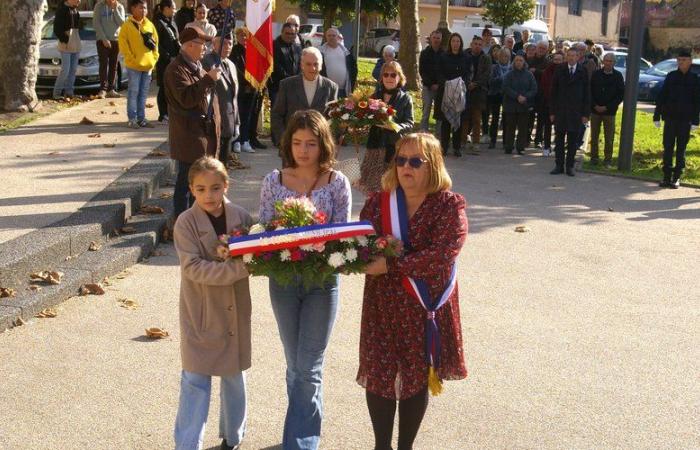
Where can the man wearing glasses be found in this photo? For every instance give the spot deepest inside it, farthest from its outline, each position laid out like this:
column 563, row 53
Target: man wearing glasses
column 193, row 108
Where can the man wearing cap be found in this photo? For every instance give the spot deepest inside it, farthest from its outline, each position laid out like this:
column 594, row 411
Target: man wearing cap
column 227, row 92
column 678, row 104
column 193, row 108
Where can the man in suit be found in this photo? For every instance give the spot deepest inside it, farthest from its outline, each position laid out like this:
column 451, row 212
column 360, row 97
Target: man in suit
column 309, row 90
column 678, row 104
column 227, row 92
column 286, row 55
column 570, row 108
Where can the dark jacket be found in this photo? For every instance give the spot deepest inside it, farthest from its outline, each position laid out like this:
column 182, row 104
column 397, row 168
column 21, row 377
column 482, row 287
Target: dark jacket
column 183, row 16
column 498, row 73
column 515, row 83
column 187, row 90
column 168, row 44
column 384, row 138
column 287, row 60
column 429, row 66
column 377, row 71
column 607, row 90
column 679, row 98
column 227, row 92
column 545, row 85
column 238, row 58
column 66, row 18
column 350, row 65
column 537, row 67
column 481, row 73
column 451, row 66
column 570, row 98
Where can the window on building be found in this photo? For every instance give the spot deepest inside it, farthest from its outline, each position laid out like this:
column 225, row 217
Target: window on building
column 604, row 18
column 541, row 12
column 575, row 7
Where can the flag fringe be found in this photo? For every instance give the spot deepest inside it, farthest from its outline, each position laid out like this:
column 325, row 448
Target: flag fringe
column 434, row 382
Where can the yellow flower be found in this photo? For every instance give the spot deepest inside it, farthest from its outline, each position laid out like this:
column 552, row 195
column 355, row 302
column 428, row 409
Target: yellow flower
column 362, row 104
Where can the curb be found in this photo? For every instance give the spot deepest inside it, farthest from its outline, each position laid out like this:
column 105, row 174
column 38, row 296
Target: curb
column 633, row 177
column 63, row 246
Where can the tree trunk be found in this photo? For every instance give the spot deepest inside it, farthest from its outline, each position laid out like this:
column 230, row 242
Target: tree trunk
column 410, row 37
column 20, row 35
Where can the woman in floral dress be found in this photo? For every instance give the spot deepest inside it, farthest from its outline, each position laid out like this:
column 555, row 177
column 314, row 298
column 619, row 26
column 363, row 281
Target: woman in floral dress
column 393, row 361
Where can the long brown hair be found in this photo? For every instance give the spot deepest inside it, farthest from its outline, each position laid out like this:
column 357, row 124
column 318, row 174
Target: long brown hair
column 312, row 120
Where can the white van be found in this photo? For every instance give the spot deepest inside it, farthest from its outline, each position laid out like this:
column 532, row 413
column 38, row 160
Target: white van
column 539, row 31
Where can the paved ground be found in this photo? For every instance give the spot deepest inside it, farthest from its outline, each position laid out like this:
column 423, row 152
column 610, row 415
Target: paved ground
column 582, row 333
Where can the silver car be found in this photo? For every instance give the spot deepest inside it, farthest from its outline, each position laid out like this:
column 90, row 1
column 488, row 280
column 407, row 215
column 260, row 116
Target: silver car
column 87, row 77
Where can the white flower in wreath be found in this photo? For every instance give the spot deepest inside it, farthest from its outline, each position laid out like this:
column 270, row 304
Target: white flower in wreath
column 307, row 247
column 280, row 228
column 370, row 117
column 345, row 116
column 285, row 255
column 336, row 260
column 248, row 258
column 350, row 255
column 348, row 240
column 362, row 241
column 257, row 229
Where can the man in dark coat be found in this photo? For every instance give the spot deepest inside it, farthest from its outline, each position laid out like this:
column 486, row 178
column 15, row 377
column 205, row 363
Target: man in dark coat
column 429, row 68
column 248, row 98
column 607, row 91
column 185, row 15
column 477, row 89
column 287, row 59
column 569, row 109
column 678, row 104
column 192, row 131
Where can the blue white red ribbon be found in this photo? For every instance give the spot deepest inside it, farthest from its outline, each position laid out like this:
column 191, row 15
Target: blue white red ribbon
column 295, row 237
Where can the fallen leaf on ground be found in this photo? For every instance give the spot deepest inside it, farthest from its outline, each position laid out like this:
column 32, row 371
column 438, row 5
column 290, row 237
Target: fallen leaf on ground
column 47, row 276
column 128, row 303
column 157, row 152
column 19, row 322
column 102, row 112
column 156, row 333
column 109, row 144
column 94, row 135
column 54, row 153
column 127, row 230
column 115, row 113
column 112, row 103
column 521, row 229
column 47, row 313
column 106, row 281
column 94, row 246
column 167, row 235
column 165, row 195
column 86, row 121
column 34, row 287
column 149, row 105
column 91, row 288
column 152, row 209
column 7, row 292
column 68, row 258
column 610, row 209
column 121, row 275
column 18, row 156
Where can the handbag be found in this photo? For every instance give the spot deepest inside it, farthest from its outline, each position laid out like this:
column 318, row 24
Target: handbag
column 147, row 37
column 350, row 167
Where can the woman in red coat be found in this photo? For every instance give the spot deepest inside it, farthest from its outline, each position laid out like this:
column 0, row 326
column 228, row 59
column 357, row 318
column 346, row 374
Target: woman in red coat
column 410, row 316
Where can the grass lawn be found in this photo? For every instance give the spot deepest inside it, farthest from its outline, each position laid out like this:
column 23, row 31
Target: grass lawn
column 648, row 151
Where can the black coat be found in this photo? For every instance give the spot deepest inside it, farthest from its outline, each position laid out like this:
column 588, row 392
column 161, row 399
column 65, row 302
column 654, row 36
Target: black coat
column 287, row 62
column 66, row 18
column 237, row 56
column 168, row 44
column 429, row 66
column 679, row 98
column 451, row 66
column 607, row 89
column 570, row 98
column 384, row 138
column 183, row 16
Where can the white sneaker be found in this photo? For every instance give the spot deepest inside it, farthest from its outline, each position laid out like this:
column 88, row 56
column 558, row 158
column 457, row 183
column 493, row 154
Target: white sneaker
column 247, row 148
column 101, row 94
column 546, row 152
column 236, row 147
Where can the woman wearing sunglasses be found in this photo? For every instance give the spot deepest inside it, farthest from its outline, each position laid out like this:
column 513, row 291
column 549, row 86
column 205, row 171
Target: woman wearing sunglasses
column 406, row 295
column 381, row 141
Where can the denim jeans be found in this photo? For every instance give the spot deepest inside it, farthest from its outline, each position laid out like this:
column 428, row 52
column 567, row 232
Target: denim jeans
column 139, row 82
column 305, row 319
column 65, row 82
column 195, row 394
column 428, row 97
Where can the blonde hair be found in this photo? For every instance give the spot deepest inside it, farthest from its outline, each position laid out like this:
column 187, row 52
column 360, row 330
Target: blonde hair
column 398, row 69
column 207, row 164
column 438, row 178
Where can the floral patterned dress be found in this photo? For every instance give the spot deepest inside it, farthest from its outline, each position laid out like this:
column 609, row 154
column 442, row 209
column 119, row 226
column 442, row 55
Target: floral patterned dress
column 392, row 338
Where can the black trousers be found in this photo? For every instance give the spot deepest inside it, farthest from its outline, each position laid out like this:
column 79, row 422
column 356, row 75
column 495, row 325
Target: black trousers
column 566, row 141
column 162, row 102
column 246, row 107
column 446, row 131
column 512, row 122
column 543, row 132
column 224, row 148
column 259, row 99
column 485, row 114
column 676, row 136
column 182, row 198
column 494, row 110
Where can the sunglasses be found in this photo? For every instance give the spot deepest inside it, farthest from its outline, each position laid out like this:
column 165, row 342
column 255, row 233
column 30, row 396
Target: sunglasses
column 390, row 74
column 415, row 162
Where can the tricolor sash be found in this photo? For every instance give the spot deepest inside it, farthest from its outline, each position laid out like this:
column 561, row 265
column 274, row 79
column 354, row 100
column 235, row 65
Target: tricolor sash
column 395, row 221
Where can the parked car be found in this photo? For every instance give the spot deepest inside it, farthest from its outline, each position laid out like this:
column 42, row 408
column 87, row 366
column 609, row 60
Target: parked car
column 651, row 81
column 377, row 38
column 621, row 63
column 311, row 34
column 87, row 76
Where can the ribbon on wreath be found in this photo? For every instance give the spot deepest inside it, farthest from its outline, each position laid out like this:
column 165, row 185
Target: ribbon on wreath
column 395, row 221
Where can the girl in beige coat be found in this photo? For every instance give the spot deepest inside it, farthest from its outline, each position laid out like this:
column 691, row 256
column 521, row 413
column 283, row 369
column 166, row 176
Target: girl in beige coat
column 214, row 310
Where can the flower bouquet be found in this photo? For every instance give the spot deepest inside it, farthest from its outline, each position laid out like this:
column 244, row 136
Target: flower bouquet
column 299, row 244
column 357, row 113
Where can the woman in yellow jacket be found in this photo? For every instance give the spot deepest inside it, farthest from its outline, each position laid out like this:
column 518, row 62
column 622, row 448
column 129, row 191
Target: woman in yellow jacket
column 138, row 42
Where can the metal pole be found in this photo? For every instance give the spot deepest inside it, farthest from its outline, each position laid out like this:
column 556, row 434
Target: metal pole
column 629, row 109
column 358, row 12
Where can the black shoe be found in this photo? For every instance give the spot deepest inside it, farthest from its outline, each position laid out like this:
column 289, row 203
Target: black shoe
column 255, row 143
column 225, row 446
column 521, row 152
column 665, row 183
column 675, row 184
column 508, row 152
column 570, row 172
column 557, row 171
column 492, row 145
column 458, row 153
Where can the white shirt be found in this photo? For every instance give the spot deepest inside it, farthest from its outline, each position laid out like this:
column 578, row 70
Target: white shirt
column 572, row 69
column 336, row 69
column 310, row 89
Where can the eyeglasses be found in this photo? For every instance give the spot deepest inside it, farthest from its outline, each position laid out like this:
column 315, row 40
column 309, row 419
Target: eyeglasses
column 390, row 74
column 415, row 162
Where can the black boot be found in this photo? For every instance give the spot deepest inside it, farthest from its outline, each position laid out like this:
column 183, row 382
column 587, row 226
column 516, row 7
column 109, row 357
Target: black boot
column 666, row 182
column 557, row 170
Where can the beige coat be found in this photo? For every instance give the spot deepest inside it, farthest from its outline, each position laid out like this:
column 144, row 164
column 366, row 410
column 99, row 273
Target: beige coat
column 214, row 296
